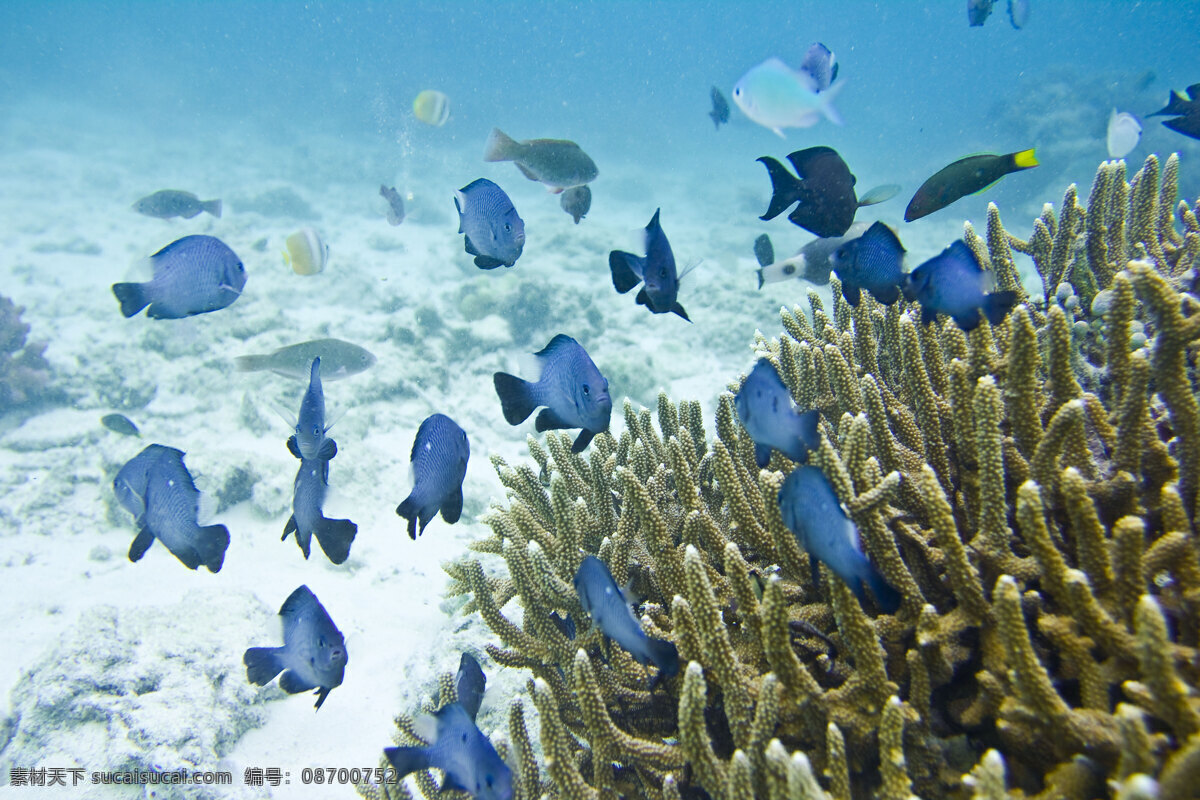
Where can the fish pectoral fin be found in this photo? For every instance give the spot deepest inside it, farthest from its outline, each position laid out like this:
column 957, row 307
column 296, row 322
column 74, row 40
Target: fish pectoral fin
column 141, row 544
column 525, row 171
column 487, row 262
column 321, row 693
column 582, row 441
column 327, row 450
column 471, row 248
column 549, row 420
column 292, row 683
column 449, row 782
column 452, row 506
column 851, row 293
column 293, row 447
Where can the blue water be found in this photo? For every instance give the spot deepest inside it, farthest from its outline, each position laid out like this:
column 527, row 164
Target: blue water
column 101, row 103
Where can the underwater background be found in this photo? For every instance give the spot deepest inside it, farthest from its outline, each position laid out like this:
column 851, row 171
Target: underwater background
column 294, row 114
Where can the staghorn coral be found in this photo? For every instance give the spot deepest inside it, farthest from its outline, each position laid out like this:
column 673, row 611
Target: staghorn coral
column 24, row 372
column 1030, row 488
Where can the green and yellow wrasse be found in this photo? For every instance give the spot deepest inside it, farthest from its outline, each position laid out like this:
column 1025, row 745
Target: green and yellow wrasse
column 963, row 177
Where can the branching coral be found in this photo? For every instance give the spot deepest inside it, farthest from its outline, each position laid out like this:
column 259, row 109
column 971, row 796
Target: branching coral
column 24, row 373
column 1030, row 488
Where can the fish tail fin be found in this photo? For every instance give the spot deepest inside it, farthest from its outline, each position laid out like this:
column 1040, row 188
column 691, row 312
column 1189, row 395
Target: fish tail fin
column 785, row 187
column 262, row 664
column 516, row 397
column 211, row 545
column 335, row 536
column 250, row 363
column 1025, row 159
column 131, row 296
column 827, row 108
column 410, row 509
column 997, row 305
column 452, row 506
column 406, row 760
column 212, row 207
column 887, row 598
column 499, row 147
column 625, row 275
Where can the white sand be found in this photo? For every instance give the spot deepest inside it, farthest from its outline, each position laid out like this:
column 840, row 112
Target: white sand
column 69, row 186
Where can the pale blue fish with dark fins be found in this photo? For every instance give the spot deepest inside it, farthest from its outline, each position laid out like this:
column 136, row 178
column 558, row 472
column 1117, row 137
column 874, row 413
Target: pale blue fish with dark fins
column 953, row 283
column 158, row 490
column 656, row 270
column 812, row 512
column 776, row 96
column 612, row 613
column 308, row 520
column 460, row 750
column 571, row 388
column 764, row 405
column 469, row 684
column 309, row 441
column 495, row 235
column 439, row 464
column 873, row 261
column 313, row 655
column 192, row 275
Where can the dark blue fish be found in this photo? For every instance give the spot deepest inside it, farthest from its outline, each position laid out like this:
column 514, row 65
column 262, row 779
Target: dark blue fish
column 813, row 513
column 573, row 391
column 308, row 520
column 309, row 440
column 720, row 108
column 469, row 684
column 313, row 655
column 873, row 262
column 656, row 270
column 119, row 423
column 461, row 752
column 820, row 65
column 158, row 490
column 193, row 275
column 953, row 283
column 495, row 235
column 439, row 463
column 612, row 614
column 764, row 406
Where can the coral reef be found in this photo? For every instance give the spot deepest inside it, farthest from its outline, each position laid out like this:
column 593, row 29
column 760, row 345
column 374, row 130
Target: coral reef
column 24, row 373
column 1031, row 489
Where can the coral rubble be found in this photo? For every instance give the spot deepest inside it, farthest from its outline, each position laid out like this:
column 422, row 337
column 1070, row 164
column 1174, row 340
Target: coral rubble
column 1031, row 488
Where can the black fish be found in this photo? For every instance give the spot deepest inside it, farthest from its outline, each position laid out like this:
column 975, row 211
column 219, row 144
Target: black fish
column 439, row 463
column 1188, row 125
column 1179, row 103
column 720, row 108
column 963, row 177
column 158, row 490
column 119, row 423
column 873, row 262
column 395, row 213
column 656, row 271
column 824, row 191
column 313, row 655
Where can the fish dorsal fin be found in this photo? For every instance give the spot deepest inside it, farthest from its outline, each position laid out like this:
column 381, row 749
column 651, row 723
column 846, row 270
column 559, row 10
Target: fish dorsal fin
column 556, row 344
column 802, row 159
column 964, row 256
column 299, row 604
column 884, row 234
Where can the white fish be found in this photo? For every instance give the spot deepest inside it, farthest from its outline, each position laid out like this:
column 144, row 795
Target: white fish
column 306, row 253
column 1124, row 132
column 776, row 96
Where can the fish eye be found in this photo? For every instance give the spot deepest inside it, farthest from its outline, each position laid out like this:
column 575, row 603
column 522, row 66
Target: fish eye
column 507, row 227
column 737, row 91
column 789, row 269
column 586, row 389
column 241, row 267
column 464, row 737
